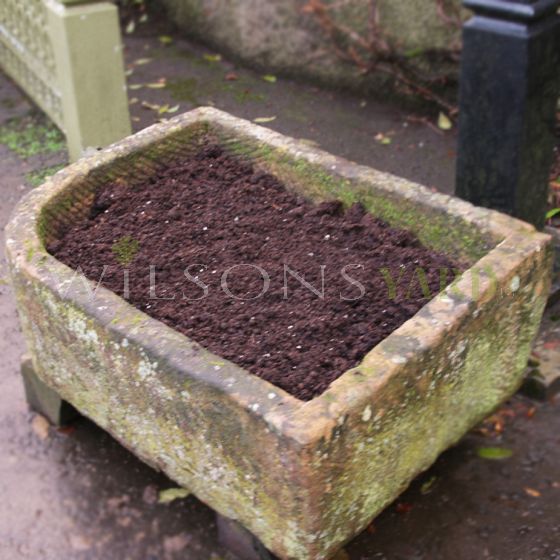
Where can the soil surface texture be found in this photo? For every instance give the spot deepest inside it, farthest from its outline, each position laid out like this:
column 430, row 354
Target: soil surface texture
column 294, row 292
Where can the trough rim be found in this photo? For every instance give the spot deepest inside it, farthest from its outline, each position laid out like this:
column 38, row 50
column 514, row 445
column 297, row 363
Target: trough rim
column 304, row 422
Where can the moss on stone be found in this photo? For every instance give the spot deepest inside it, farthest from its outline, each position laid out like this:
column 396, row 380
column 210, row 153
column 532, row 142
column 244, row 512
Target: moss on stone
column 434, row 229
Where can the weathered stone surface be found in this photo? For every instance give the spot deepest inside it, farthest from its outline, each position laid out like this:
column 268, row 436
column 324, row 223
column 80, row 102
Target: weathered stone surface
column 303, row 477
column 277, row 35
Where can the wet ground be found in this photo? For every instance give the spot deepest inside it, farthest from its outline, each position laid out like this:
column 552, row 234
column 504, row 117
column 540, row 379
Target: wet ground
column 76, row 494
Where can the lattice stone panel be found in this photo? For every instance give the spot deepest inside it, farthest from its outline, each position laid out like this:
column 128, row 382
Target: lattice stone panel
column 66, row 54
column 26, row 53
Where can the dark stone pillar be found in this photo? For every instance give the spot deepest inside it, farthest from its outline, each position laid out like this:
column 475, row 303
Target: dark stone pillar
column 510, row 81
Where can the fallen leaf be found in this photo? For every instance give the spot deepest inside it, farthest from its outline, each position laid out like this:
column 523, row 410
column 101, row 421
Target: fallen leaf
column 167, row 496
column 403, row 507
column 130, row 27
column 231, row 76
column 143, row 18
column 40, row 426
column 532, row 492
column 135, row 86
column 165, row 39
column 162, row 109
column 428, row 486
column 269, row 78
column 212, row 57
column 382, row 139
column 494, row 453
column 156, row 85
column 142, row 61
column 444, row 122
column 264, row 119
column 152, row 106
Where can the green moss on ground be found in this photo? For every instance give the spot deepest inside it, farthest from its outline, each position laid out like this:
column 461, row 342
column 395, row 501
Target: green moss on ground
column 32, row 135
column 39, row 176
column 199, row 93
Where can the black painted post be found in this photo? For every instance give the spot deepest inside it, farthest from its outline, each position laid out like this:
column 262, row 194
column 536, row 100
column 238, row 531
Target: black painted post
column 510, row 82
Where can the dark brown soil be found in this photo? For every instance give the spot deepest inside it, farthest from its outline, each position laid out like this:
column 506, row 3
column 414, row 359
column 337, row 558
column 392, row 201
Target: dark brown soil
column 213, row 212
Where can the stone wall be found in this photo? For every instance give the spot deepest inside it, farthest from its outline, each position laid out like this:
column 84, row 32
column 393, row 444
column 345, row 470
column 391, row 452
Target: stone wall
column 283, row 36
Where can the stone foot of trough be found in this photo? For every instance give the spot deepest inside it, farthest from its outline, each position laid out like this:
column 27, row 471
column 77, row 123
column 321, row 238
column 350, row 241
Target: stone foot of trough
column 542, row 381
column 239, row 541
column 43, row 399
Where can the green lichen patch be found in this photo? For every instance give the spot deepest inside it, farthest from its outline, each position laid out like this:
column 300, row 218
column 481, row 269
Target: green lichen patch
column 125, row 249
column 435, row 229
column 32, row 135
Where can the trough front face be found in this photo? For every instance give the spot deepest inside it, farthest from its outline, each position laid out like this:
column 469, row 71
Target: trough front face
column 304, row 477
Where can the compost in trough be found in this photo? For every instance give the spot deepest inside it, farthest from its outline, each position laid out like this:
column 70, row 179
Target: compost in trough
column 294, row 292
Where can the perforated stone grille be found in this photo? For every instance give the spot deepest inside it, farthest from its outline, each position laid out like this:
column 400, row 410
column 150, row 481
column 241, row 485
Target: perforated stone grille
column 26, row 52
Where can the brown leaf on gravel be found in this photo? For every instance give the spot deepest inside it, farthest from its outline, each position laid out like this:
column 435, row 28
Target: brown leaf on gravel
column 231, row 77
column 40, row 426
column 404, row 507
column 531, row 412
column 532, row 492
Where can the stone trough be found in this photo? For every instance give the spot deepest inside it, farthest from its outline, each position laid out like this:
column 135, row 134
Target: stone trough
column 303, row 477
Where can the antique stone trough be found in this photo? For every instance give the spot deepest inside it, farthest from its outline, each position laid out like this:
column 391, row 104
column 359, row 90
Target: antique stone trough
column 304, row 477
